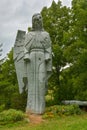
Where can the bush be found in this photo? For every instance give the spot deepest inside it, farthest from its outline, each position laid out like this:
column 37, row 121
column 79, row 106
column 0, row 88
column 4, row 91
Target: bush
column 11, row 115
column 60, row 110
column 2, row 107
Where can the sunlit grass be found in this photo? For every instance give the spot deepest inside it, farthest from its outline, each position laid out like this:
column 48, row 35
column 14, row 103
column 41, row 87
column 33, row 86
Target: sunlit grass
column 76, row 122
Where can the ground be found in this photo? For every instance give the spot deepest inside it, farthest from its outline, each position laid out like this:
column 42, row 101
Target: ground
column 75, row 122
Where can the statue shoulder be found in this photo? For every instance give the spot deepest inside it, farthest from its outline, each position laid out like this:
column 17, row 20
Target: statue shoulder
column 46, row 34
column 47, row 40
column 30, row 35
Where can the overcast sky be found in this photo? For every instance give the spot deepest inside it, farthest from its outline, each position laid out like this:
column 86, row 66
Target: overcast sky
column 17, row 14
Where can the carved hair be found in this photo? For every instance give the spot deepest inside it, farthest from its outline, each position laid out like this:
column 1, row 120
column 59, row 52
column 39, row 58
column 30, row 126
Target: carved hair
column 37, row 23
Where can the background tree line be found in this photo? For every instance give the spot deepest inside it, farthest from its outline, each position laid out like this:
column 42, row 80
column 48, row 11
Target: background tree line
column 68, row 30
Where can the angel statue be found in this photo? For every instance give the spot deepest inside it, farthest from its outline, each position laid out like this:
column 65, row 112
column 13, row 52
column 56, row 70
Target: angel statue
column 33, row 63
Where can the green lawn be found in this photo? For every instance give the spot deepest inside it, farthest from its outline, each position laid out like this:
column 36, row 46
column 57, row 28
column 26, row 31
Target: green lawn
column 61, row 123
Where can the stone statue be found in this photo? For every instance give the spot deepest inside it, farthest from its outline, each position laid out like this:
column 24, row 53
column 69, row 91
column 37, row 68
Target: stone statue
column 33, row 63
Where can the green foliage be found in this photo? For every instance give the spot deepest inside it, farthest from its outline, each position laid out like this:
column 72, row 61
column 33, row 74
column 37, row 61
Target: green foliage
column 11, row 116
column 75, row 76
column 9, row 92
column 68, row 30
column 19, row 101
column 2, row 107
column 56, row 22
column 60, row 123
column 61, row 110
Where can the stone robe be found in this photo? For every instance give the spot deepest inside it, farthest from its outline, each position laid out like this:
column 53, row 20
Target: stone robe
column 38, row 62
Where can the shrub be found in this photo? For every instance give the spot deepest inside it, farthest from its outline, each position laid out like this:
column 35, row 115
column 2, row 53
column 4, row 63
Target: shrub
column 60, row 110
column 2, row 107
column 11, row 115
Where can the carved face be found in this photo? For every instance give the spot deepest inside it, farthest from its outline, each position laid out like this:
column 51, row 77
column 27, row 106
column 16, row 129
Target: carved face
column 37, row 22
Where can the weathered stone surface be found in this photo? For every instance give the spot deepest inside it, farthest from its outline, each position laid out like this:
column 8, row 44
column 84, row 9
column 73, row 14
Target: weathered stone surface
column 80, row 103
column 33, row 63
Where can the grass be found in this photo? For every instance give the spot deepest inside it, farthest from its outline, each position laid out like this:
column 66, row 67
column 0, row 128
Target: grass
column 75, row 122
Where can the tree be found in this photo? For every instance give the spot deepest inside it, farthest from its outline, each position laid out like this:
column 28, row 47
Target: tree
column 9, row 93
column 68, row 30
column 0, row 55
column 76, row 50
column 56, row 22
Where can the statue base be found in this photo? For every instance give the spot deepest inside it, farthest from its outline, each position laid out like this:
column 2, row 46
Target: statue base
column 35, row 118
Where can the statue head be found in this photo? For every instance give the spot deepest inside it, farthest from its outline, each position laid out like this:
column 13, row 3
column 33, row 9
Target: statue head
column 37, row 23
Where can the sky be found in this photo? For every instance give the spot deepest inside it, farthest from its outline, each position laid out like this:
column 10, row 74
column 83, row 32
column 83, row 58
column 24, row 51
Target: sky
column 17, row 15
